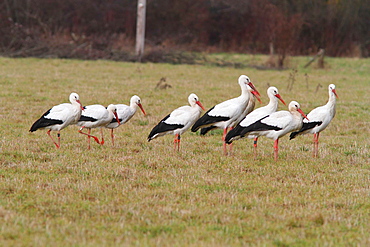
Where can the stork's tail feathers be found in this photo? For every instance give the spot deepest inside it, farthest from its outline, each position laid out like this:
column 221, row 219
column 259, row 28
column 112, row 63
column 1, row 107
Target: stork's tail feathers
column 240, row 132
column 305, row 127
column 205, row 130
column 33, row 127
column 293, row 135
column 195, row 127
column 152, row 135
column 234, row 134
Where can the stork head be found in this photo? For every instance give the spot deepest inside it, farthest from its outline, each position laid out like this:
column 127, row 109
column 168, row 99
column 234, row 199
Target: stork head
column 113, row 109
column 243, row 79
column 75, row 98
column 332, row 90
column 194, row 100
column 135, row 100
column 274, row 92
column 294, row 106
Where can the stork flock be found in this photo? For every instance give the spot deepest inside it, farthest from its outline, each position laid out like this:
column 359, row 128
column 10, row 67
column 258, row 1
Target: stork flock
column 237, row 114
column 89, row 117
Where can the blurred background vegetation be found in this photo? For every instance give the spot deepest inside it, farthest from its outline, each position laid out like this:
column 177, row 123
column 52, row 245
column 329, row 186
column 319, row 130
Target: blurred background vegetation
column 105, row 29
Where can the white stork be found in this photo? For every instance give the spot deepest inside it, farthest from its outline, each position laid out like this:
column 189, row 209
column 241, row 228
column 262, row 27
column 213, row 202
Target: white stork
column 59, row 117
column 96, row 116
column 257, row 114
column 178, row 121
column 272, row 126
column 251, row 104
column 125, row 113
column 250, row 107
column 227, row 113
column 323, row 114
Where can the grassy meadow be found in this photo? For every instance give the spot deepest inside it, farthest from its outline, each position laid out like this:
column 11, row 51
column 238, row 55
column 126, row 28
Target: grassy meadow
column 144, row 194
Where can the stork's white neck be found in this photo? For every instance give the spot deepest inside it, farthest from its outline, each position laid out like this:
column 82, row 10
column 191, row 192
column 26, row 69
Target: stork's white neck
column 133, row 106
column 244, row 89
column 332, row 99
column 331, row 105
column 245, row 96
column 273, row 103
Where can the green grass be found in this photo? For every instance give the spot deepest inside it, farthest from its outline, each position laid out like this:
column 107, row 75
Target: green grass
column 144, row 194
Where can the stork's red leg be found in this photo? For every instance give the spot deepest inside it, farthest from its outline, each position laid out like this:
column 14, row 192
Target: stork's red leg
column 231, row 144
column 223, row 140
column 255, row 142
column 58, row 138
column 255, row 146
column 314, row 138
column 102, row 137
column 276, row 149
column 88, row 134
column 88, row 137
column 224, row 134
column 112, row 135
column 316, row 144
column 176, row 142
column 48, row 132
column 230, row 148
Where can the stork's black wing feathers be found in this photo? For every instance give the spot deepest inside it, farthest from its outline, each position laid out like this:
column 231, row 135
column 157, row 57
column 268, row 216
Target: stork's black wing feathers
column 305, row 126
column 205, row 130
column 114, row 120
column 207, row 120
column 43, row 122
column 242, row 131
column 163, row 127
column 86, row 118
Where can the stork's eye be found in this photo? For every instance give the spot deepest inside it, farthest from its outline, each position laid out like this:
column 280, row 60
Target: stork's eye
column 275, row 92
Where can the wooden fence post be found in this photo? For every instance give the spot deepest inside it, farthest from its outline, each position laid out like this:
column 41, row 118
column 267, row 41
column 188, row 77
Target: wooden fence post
column 319, row 55
column 320, row 62
column 140, row 29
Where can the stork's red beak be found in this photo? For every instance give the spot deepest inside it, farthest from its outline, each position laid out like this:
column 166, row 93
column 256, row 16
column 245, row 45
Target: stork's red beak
column 335, row 92
column 302, row 113
column 256, row 95
column 254, row 88
column 116, row 116
column 200, row 104
column 281, row 99
column 82, row 108
column 142, row 109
